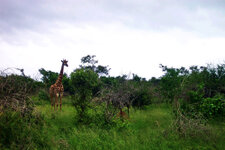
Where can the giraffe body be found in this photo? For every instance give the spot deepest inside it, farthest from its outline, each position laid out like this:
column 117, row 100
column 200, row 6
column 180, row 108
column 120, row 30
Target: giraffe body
column 56, row 90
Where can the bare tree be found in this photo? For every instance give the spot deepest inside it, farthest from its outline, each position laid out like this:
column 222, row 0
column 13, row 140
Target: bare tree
column 116, row 99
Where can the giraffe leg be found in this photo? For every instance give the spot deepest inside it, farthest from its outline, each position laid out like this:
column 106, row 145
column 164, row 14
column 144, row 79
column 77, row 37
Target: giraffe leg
column 61, row 95
column 56, row 101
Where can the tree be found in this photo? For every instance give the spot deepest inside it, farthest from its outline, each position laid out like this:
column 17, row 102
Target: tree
column 84, row 83
column 192, row 88
column 116, row 98
column 48, row 77
column 136, row 78
column 89, row 62
column 142, row 96
column 170, row 82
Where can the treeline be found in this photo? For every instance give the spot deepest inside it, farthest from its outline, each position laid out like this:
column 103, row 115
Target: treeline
column 89, row 70
column 197, row 89
column 90, row 88
column 99, row 98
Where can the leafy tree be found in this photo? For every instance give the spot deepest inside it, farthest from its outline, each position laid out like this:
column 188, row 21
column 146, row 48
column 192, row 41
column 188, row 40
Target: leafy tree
column 170, row 83
column 102, row 70
column 108, row 81
column 195, row 89
column 136, row 78
column 66, row 83
column 84, row 83
column 48, row 77
column 142, row 97
column 89, row 62
column 154, row 81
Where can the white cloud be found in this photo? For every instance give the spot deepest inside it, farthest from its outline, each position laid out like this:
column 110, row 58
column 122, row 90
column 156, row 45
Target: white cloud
column 125, row 50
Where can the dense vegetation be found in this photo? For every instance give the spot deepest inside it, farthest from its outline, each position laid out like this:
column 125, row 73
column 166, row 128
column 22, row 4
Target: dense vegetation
column 183, row 109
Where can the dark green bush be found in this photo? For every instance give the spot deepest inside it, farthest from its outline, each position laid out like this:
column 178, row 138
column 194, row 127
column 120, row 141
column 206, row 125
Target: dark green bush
column 43, row 95
column 142, row 97
column 21, row 132
column 84, row 83
column 100, row 118
column 190, row 103
column 214, row 106
column 20, row 127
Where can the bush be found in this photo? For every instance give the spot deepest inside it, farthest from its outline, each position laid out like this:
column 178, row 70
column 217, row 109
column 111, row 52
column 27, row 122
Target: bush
column 14, row 92
column 20, row 128
column 194, row 126
column 104, row 117
column 215, row 106
column 43, row 95
column 84, row 83
column 142, row 97
column 21, row 132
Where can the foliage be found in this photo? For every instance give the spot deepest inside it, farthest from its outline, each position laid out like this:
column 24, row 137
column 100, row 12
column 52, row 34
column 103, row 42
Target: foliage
column 43, row 95
column 24, row 83
column 14, row 92
column 66, row 83
column 84, row 82
column 212, row 107
column 103, row 107
column 146, row 129
column 49, row 78
column 115, row 99
column 136, row 92
column 142, row 97
column 21, row 132
column 154, row 81
column 19, row 126
column 136, row 78
column 194, row 86
column 170, row 83
column 89, row 62
column 108, row 82
column 191, row 98
column 194, row 126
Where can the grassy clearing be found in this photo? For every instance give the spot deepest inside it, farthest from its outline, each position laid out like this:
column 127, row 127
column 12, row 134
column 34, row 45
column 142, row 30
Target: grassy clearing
column 147, row 129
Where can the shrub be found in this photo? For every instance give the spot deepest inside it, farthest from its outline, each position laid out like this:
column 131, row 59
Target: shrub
column 20, row 128
column 84, row 83
column 194, row 126
column 214, row 106
column 14, row 92
column 104, row 116
column 43, row 95
column 21, row 132
column 142, row 97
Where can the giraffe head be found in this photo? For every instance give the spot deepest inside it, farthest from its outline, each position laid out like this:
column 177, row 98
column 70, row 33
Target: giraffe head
column 64, row 62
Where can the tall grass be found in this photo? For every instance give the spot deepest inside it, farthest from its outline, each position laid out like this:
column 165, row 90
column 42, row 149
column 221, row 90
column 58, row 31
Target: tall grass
column 147, row 129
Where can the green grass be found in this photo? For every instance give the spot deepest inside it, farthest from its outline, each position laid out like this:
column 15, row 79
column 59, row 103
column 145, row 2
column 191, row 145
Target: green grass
column 147, row 129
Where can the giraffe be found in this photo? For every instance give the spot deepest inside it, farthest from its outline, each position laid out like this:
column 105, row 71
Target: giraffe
column 56, row 90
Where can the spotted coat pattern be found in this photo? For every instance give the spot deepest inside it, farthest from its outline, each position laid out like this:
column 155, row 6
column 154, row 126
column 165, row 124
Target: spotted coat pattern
column 56, row 90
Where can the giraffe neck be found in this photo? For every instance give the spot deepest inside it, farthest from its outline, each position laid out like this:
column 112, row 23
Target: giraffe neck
column 59, row 80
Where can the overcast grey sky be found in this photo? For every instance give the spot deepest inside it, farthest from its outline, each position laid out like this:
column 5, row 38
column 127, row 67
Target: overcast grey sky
column 131, row 36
